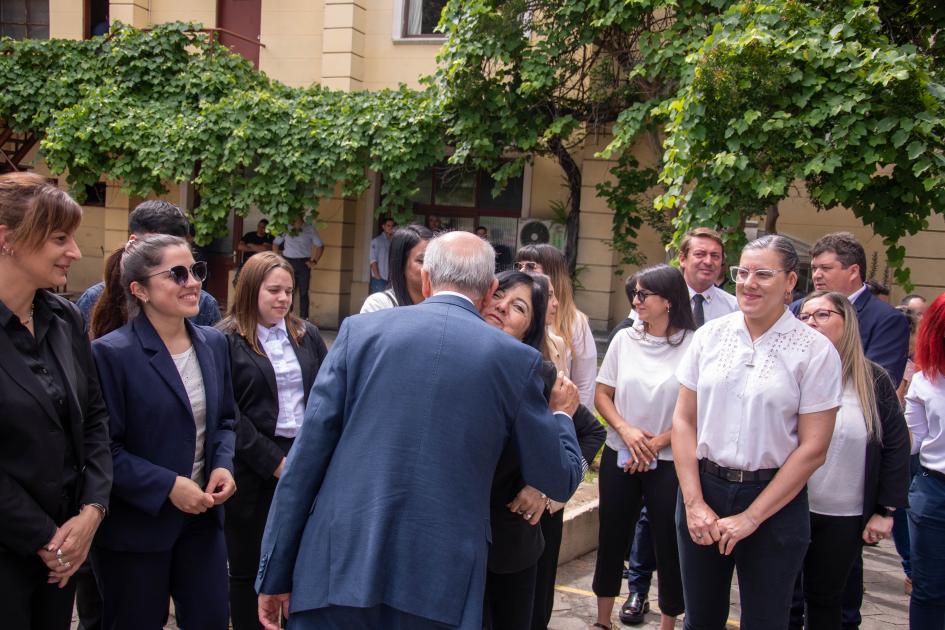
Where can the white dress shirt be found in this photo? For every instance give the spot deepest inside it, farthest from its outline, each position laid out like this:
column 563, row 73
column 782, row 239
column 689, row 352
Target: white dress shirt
column 925, row 415
column 642, row 370
column 300, row 245
column 749, row 395
column 718, row 303
column 380, row 254
column 289, row 385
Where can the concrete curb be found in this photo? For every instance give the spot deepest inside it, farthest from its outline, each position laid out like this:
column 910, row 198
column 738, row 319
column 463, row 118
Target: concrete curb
column 580, row 530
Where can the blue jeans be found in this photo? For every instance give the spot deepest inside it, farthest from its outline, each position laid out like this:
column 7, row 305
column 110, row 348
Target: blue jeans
column 642, row 559
column 377, row 285
column 927, row 532
column 900, row 533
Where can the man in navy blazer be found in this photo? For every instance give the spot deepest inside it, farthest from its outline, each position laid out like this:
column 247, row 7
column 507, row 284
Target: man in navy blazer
column 838, row 263
column 381, row 516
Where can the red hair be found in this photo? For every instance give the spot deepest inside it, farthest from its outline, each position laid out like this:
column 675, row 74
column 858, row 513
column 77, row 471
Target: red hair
column 930, row 344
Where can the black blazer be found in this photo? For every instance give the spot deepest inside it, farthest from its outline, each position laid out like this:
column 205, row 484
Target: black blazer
column 33, row 440
column 516, row 544
column 257, row 402
column 887, row 461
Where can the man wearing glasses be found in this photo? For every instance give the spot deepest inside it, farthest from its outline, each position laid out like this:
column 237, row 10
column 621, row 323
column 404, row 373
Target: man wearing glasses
column 154, row 216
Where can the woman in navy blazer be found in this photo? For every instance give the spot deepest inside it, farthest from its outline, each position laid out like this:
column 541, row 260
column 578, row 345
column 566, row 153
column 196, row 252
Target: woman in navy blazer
column 275, row 357
column 167, row 386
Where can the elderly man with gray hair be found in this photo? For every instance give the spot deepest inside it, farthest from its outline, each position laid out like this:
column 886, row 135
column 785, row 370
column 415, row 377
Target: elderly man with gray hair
column 381, row 516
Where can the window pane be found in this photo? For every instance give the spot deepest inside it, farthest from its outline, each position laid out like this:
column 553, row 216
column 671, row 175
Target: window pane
column 422, row 16
column 38, row 31
column 13, row 11
column 510, row 198
column 503, row 234
column 16, row 31
column 455, row 186
column 425, row 192
column 39, row 12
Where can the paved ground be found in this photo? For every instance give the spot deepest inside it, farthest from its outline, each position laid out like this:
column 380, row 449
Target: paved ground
column 885, row 606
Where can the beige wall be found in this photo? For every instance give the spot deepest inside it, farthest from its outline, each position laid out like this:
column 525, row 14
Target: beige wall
column 291, row 31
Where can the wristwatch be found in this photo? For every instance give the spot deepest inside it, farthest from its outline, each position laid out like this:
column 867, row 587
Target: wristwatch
column 882, row 510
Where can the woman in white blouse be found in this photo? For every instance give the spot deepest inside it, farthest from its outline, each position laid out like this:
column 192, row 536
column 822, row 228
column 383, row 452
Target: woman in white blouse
column 758, row 397
column 569, row 323
column 925, row 415
column 636, row 393
column 274, row 357
column 866, row 476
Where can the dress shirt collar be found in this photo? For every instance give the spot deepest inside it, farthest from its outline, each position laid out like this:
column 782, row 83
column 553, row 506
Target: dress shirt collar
column 465, row 297
column 708, row 294
column 265, row 334
column 856, row 294
column 784, row 324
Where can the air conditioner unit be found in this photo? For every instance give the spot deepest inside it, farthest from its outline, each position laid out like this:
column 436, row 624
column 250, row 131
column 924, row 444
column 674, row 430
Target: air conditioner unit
column 536, row 231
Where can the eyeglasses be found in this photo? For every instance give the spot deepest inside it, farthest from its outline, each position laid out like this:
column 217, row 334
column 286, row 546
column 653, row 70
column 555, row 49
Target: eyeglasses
column 181, row 274
column 820, row 316
column 641, row 294
column 740, row 275
column 527, row 265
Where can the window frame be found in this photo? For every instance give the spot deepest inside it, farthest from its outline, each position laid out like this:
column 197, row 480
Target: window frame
column 399, row 33
column 28, row 23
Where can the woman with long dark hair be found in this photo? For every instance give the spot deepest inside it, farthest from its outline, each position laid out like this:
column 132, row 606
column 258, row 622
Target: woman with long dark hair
column 925, row 415
column 759, row 392
column 167, row 386
column 406, row 259
column 866, row 476
column 55, row 468
column 275, row 357
column 636, row 394
column 518, row 307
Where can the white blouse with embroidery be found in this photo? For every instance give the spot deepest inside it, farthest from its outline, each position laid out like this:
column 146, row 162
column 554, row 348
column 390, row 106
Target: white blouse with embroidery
column 749, row 394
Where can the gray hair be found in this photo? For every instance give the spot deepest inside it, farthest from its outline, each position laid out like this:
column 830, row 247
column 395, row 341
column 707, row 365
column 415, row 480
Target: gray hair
column 142, row 256
column 782, row 246
column 459, row 264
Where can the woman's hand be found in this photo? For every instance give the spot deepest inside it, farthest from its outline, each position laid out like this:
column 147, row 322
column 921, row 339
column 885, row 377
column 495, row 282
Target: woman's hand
column 734, row 528
column 221, row 485
column 638, row 441
column 188, row 497
column 702, row 523
column 278, row 473
column 69, row 547
column 530, row 503
column 877, row 528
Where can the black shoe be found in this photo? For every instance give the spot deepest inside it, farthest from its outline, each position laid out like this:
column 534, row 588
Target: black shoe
column 634, row 609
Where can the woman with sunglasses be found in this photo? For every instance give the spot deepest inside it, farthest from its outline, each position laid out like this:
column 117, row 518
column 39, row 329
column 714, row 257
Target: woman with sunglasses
column 167, row 386
column 866, row 475
column 925, row 415
column 274, row 356
column 569, row 323
column 636, row 393
column 759, row 392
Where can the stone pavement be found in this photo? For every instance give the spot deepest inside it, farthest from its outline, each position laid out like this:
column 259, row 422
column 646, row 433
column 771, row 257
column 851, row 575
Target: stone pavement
column 885, row 606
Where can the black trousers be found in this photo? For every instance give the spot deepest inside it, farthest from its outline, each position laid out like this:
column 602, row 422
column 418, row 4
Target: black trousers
column 552, row 526
column 27, row 602
column 835, row 544
column 246, row 514
column 509, row 599
column 767, row 562
column 621, row 497
column 303, row 275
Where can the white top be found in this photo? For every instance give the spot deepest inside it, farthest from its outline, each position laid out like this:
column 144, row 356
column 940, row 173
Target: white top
column 642, row 370
column 925, row 415
column 583, row 361
column 718, row 303
column 836, row 488
column 379, row 301
column 750, row 394
column 189, row 369
column 289, row 385
column 300, row 245
column 380, row 254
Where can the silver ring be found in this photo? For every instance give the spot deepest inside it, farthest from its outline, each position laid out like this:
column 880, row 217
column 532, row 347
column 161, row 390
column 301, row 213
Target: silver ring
column 528, row 516
column 698, row 535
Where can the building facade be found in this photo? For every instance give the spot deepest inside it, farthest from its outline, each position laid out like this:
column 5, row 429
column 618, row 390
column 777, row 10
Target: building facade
column 370, row 45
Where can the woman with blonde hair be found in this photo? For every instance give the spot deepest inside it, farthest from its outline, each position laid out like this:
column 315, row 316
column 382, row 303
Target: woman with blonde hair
column 274, row 357
column 570, row 324
column 866, row 475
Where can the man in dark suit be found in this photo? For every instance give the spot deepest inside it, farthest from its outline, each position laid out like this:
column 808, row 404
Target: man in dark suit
column 381, row 516
column 838, row 263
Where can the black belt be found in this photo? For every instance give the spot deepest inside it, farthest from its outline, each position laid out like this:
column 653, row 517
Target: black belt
column 737, row 476
column 934, row 473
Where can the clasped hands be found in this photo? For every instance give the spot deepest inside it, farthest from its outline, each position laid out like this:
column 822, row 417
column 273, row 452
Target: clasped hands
column 706, row 528
column 67, row 549
column 188, row 497
column 643, row 446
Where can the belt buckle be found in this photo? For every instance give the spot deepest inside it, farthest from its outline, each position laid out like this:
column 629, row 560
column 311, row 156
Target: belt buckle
column 735, row 475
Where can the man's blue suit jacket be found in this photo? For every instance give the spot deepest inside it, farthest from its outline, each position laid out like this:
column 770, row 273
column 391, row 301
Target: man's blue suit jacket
column 385, row 494
column 884, row 332
column 152, row 430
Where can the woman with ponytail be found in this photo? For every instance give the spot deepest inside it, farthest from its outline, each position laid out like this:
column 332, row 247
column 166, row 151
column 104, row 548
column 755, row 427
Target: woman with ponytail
column 167, row 386
column 866, row 475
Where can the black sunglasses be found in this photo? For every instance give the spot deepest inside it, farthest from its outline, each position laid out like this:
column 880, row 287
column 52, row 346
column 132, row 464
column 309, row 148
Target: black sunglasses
column 181, row 274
